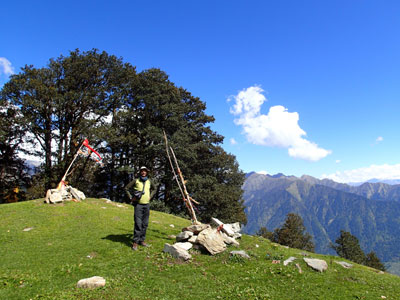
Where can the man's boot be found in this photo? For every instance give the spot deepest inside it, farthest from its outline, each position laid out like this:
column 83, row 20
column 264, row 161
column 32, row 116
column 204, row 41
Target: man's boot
column 144, row 244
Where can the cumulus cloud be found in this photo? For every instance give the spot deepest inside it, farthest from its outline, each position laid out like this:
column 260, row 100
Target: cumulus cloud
column 379, row 139
column 233, row 141
column 6, row 67
column 381, row 172
column 279, row 128
column 262, row 172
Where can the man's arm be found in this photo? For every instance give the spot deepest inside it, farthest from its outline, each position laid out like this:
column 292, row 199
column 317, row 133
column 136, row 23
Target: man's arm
column 154, row 187
column 128, row 186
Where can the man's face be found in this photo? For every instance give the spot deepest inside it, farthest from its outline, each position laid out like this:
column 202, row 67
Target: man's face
column 143, row 173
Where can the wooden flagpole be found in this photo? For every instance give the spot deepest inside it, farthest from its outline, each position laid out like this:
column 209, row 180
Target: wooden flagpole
column 185, row 195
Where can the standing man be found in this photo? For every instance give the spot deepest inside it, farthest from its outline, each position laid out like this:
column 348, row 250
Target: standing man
column 141, row 201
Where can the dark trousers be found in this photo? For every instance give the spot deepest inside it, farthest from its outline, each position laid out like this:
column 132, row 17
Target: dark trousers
column 141, row 218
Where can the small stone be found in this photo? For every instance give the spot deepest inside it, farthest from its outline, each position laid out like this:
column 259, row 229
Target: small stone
column 289, row 260
column 299, row 268
column 184, row 236
column 172, row 225
column 241, row 253
column 257, row 246
column 344, row 264
column 119, row 205
column 104, row 207
column 28, row 229
column 193, row 239
column 92, row 282
column 172, row 237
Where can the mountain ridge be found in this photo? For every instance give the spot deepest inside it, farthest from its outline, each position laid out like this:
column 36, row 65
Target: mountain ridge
column 370, row 211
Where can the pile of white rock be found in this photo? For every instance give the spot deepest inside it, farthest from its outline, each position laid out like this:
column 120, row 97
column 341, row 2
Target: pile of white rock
column 212, row 239
column 67, row 193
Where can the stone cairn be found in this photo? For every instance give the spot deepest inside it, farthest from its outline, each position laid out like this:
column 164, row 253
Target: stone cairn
column 66, row 193
column 212, row 239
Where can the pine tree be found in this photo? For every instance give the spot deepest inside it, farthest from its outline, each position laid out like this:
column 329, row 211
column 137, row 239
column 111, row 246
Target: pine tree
column 265, row 233
column 292, row 234
column 373, row 261
column 348, row 247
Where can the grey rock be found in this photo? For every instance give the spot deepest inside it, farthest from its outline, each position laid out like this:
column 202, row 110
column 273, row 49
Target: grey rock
column 229, row 241
column 212, row 240
column 316, row 264
column 184, row 236
column 235, row 227
column 225, row 228
column 186, row 245
column 92, row 282
column 196, row 229
column 193, row 239
column 177, row 252
column 241, row 253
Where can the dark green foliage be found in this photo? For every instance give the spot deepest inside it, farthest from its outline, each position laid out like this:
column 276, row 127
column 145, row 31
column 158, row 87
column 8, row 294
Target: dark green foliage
column 372, row 260
column 123, row 114
column 14, row 176
column 347, row 246
column 263, row 231
column 292, row 234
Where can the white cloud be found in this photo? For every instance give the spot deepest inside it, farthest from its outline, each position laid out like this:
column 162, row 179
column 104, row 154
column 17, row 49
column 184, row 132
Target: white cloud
column 279, row 128
column 6, row 67
column 338, row 161
column 262, row 172
column 233, row 141
column 381, row 172
column 379, row 139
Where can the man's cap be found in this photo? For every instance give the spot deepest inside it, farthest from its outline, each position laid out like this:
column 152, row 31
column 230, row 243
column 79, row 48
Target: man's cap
column 144, row 168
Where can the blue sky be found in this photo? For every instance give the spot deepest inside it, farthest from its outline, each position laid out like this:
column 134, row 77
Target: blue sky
column 298, row 87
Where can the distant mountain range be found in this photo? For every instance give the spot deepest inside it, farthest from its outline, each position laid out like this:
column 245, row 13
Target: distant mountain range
column 370, row 211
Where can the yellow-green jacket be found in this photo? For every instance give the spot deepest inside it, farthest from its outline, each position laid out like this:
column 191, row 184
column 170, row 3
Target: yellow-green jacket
column 137, row 185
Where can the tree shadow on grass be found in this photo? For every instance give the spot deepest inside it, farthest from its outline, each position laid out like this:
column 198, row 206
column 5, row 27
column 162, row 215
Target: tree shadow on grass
column 120, row 238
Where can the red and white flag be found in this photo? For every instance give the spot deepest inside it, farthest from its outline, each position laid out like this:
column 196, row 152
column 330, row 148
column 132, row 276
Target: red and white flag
column 90, row 152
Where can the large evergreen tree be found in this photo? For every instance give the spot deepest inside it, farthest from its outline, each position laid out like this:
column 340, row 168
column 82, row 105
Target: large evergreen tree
column 64, row 102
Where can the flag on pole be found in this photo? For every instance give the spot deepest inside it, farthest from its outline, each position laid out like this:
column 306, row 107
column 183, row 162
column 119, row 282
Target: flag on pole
column 90, row 152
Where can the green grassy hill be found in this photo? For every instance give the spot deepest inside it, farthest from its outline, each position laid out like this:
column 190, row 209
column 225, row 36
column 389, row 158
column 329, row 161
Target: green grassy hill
column 72, row 241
